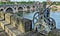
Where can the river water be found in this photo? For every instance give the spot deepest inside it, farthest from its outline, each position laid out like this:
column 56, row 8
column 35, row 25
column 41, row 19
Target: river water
column 56, row 16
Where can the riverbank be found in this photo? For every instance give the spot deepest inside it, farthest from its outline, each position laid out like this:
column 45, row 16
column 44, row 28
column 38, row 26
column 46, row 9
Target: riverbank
column 55, row 8
column 54, row 11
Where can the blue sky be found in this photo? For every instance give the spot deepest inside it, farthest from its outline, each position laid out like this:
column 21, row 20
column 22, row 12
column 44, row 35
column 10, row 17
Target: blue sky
column 34, row 0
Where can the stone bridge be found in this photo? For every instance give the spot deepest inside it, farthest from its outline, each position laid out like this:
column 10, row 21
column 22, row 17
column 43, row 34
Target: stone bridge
column 19, row 7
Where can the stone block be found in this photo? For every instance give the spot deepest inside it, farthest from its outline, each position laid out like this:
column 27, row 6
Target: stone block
column 1, row 19
column 20, row 26
column 8, row 17
column 9, row 27
column 12, row 31
column 24, row 25
column 3, row 24
column 6, row 29
column 16, row 33
column 2, row 14
column 17, row 22
column 13, row 20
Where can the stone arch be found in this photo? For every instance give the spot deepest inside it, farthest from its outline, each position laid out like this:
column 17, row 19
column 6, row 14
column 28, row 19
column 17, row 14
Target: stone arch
column 28, row 8
column 20, row 9
column 10, row 9
column 1, row 9
column 33, row 8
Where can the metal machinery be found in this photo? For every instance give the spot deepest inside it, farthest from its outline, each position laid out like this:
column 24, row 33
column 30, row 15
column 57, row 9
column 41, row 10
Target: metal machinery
column 42, row 21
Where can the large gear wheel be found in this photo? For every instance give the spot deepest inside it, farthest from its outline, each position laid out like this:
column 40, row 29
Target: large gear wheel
column 39, row 23
column 52, row 23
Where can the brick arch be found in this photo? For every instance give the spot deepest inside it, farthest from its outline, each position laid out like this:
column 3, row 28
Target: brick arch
column 9, row 9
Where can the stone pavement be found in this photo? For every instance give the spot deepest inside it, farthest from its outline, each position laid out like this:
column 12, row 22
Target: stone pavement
column 31, row 33
column 55, row 32
column 2, row 33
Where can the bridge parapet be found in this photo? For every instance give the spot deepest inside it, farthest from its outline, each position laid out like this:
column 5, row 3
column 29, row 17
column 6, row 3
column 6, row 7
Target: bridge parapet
column 15, row 7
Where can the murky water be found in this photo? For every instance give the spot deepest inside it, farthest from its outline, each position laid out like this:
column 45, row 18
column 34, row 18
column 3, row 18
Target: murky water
column 56, row 16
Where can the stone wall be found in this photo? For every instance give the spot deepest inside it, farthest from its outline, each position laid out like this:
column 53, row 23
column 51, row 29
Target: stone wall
column 2, row 15
column 15, row 25
column 23, row 25
column 13, row 20
column 8, row 17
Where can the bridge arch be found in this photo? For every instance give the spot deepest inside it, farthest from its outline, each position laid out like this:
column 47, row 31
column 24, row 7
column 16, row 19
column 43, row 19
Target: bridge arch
column 28, row 8
column 1, row 9
column 10, row 9
column 33, row 8
column 20, row 9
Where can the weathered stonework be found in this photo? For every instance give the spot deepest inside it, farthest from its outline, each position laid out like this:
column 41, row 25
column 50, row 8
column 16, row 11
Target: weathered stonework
column 15, row 25
column 16, row 33
column 12, row 31
column 20, row 25
column 8, row 17
column 3, row 24
column 25, row 25
column 8, row 29
column 14, row 20
column 2, row 15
